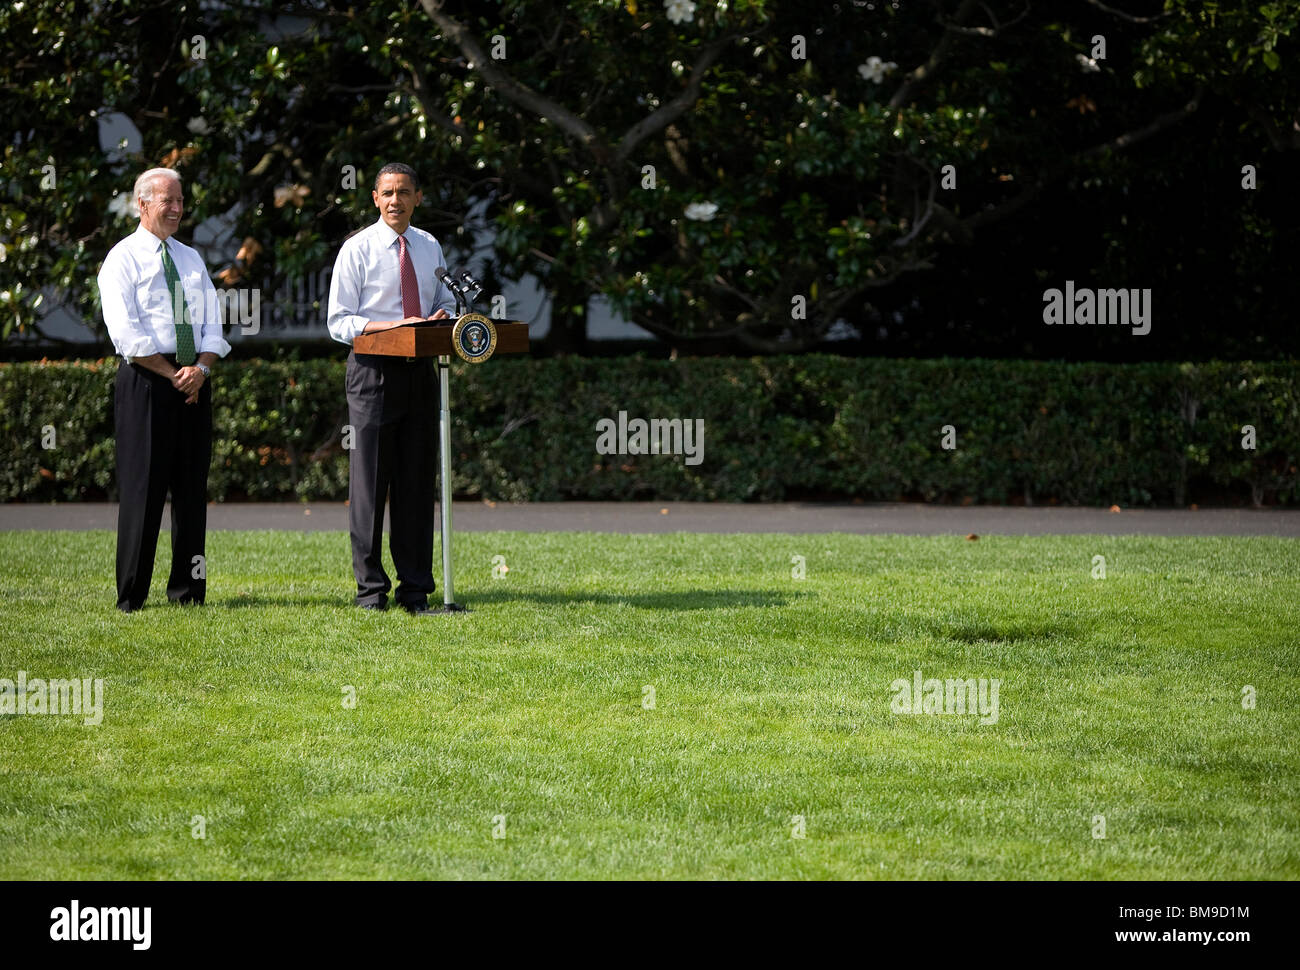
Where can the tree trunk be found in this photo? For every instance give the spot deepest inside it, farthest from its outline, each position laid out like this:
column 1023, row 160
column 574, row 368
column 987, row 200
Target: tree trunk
column 568, row 334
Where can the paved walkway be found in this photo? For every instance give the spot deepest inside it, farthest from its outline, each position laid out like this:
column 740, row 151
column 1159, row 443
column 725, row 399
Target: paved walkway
column 794, row 517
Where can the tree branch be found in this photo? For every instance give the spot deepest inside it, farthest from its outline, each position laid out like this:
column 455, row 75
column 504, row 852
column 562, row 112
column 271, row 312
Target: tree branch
column 918, row 220
column 674, row 109
column 940, row 53
column 520, row 94
column 1280, row 138
column 993, row 31
column 420, row 86
column 1119, row 143
column 1128, row 16
column 1166, row 120
column 721, row 283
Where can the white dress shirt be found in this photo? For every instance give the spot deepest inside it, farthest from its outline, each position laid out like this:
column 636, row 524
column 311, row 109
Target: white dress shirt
column 366, row 284
column 138, row 305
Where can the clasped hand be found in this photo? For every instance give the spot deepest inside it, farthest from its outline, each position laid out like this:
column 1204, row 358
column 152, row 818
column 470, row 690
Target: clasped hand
column 188, row 380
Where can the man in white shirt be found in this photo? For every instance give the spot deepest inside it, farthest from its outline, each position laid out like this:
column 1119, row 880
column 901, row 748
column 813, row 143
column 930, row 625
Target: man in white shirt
column 162, row 314
column 384, row 277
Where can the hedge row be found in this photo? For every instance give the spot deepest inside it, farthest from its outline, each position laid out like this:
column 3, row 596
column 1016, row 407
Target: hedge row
column 774, row 428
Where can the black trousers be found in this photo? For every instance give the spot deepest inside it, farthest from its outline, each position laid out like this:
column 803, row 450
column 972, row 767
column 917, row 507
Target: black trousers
column 163, row 444
column 393, row 410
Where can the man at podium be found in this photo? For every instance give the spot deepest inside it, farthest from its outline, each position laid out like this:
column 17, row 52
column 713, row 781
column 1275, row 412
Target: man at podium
column 384, row 277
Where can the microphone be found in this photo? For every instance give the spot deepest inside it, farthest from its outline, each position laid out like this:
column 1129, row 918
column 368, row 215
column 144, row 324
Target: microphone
column 449, row 281
column 471, row 284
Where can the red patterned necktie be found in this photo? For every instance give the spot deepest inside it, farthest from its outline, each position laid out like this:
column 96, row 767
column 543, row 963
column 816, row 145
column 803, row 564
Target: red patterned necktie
column 410, row 285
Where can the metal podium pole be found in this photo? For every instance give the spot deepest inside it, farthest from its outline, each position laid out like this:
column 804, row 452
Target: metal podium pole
column 444, row 434
column 449, row 604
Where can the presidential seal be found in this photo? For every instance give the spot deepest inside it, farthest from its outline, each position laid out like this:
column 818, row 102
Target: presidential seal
column 474, row 338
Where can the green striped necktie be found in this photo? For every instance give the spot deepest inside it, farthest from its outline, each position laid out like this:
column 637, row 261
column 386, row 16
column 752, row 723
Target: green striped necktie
column 180, row 312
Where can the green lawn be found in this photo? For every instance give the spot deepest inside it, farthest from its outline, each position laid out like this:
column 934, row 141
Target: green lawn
column 1119, row 697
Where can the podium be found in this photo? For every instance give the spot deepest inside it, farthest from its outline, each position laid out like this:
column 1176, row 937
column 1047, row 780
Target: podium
column 475, row 339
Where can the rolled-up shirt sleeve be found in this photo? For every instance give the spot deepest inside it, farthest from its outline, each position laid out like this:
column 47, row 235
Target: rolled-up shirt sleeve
column 345, row 322
column 211, row 340
column 117, row 297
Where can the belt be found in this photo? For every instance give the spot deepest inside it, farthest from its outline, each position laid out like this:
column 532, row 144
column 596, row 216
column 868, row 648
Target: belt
column 170, row 358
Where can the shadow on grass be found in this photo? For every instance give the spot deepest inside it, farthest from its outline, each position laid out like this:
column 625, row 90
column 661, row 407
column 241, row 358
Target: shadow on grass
column 689, row 600
column 287, row 599
column 986, row 632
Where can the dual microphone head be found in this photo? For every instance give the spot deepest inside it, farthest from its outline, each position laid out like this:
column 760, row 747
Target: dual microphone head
column 466, row 289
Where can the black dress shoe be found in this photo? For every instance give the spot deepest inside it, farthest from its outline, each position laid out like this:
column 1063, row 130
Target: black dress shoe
column 377, row 607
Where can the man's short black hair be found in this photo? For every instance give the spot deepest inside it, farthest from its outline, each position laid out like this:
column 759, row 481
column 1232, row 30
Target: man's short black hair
column 397, row 168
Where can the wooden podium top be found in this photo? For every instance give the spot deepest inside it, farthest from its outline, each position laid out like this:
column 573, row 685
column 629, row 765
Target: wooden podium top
column 434, row 339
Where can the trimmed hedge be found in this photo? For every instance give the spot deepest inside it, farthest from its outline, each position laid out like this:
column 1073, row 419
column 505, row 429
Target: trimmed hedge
column 775, row 428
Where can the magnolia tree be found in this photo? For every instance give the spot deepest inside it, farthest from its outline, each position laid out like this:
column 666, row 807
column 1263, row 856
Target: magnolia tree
column 749, row 171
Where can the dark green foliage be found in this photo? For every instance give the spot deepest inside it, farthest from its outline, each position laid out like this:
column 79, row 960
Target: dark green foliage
column 574, row 160
column 777, row 428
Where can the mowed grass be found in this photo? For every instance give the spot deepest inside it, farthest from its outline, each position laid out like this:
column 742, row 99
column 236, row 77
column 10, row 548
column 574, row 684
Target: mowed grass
column 1119, row 697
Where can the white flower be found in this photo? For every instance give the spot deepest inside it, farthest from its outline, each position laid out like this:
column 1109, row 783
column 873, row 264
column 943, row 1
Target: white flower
column 123, row 206
column 198, row 126
column 701, row 211
column 1087, row 63
column 680, row 11
column 875, row 69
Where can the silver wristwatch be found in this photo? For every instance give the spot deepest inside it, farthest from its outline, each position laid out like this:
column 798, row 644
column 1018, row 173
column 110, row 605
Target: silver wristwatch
column 207, row 371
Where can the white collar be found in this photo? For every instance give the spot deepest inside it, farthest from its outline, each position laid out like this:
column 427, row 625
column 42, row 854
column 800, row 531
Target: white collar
column 146, row 240
column 387, row 234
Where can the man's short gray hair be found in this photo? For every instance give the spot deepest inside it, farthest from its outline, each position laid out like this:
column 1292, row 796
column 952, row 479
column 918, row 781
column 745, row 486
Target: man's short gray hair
column 144, row 184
